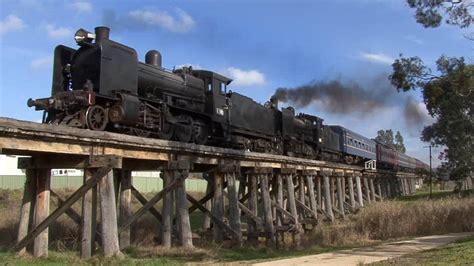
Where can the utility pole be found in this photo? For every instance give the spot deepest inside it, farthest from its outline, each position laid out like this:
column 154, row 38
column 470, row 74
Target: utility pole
column 431, row 174
column 431, row 177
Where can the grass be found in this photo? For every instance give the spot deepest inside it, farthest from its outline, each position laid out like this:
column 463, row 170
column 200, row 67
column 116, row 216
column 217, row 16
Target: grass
column 460, row 252
column 381, row 221
column 72, row 258
column 425, row 195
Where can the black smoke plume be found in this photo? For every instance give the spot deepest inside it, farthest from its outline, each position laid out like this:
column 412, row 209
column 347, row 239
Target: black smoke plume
column 339, row 97
column 414, row 117
column 335, row 96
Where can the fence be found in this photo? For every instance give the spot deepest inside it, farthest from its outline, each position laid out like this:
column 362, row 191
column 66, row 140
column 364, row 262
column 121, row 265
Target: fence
column 143, row 184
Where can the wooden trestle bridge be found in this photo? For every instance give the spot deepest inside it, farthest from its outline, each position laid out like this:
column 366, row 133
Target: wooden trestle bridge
column 277, row 195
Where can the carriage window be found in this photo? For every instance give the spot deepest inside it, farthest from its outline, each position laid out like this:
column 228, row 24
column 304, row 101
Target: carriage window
column 209, row 87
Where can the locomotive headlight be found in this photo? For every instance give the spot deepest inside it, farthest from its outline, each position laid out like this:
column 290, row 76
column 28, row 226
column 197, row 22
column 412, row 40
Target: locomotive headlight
column 83, row 36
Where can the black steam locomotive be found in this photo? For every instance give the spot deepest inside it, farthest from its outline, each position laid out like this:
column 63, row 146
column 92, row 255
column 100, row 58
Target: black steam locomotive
column 103, row 86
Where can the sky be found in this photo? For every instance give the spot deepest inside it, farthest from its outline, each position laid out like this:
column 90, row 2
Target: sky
column 261, row 45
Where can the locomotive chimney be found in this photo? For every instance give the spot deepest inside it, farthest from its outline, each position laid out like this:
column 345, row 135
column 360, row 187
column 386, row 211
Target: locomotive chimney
column 153, row 58
column 274, row 101
column 101, row 33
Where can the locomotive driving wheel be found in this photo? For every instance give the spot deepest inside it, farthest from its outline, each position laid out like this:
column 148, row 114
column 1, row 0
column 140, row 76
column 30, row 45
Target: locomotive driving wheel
column 166, row 132
column 200, row 133
column 184, row 129
column 96, row 118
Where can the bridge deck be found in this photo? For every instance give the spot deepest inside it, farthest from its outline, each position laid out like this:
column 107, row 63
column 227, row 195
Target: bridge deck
column 27, row 138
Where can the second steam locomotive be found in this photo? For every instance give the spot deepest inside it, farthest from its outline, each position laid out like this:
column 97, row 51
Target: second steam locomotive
column 103, row 86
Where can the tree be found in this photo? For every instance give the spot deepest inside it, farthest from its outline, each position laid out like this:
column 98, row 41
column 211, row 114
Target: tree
column 430, row 13
column 399, row 146
column 449, row 97
column 448, row 92
column 386, row 137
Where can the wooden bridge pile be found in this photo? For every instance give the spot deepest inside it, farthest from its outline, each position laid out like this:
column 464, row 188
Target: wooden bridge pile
column 275, row 195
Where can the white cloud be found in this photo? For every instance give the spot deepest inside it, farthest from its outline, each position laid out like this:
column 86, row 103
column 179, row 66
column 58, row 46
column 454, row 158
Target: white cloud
column 414, row 39
column 245, row 77
column 11, row 23
column 41, row 62
column 81, row 6
column 377, row 58
column 57, row 32
column 181, row 23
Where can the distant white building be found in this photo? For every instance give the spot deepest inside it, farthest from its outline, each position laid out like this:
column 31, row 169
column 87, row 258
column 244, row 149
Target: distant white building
column 8, row 165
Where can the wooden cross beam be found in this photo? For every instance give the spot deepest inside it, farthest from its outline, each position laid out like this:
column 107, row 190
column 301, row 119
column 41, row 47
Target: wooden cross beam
column 148, row 205
column 336, row 210
column 282, row 210
column 79, row 193
column 320, row 210
column 70, row 211
column 73, row 214
column 204, row 199
column 144, row 201
column 248, row 212
column 235, row 236
column 306, row 208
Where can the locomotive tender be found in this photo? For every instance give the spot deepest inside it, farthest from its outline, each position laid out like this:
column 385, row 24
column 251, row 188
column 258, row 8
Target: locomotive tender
column 103, row 86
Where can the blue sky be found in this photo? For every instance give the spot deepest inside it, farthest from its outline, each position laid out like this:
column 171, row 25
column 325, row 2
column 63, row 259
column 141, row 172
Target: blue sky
column 262, row 45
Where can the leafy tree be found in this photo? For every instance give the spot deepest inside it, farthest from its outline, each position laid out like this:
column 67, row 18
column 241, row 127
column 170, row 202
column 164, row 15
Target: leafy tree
column 449, row 97
column 386, row 137
column 448, row 92
column 399, row 146
column 430, row 13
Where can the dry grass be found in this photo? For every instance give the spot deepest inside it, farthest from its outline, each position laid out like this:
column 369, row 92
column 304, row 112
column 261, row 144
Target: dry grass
column 393, row 219
column 377, row 222
column 159, row 251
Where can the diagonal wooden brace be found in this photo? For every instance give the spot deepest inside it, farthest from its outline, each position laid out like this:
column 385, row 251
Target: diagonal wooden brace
column 218, row 222
column 79, row 193
column 143, row 201
column 148, row 205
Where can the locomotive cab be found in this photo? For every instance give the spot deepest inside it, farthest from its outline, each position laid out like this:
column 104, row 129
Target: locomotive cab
column 216, row 94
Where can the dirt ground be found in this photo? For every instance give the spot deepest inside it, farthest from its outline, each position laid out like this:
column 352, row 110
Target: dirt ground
column 372, row 254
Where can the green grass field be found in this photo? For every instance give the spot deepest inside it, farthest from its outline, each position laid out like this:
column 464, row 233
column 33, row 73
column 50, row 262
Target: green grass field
column 72, row 258
column 425, row 195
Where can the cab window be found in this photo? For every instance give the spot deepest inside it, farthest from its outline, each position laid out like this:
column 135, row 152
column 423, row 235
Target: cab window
column 223, row 88
column 209, row 86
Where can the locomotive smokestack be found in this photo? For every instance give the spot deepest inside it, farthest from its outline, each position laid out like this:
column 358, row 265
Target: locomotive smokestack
column 153, row 58
column 101, row 33
column 274, row 101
